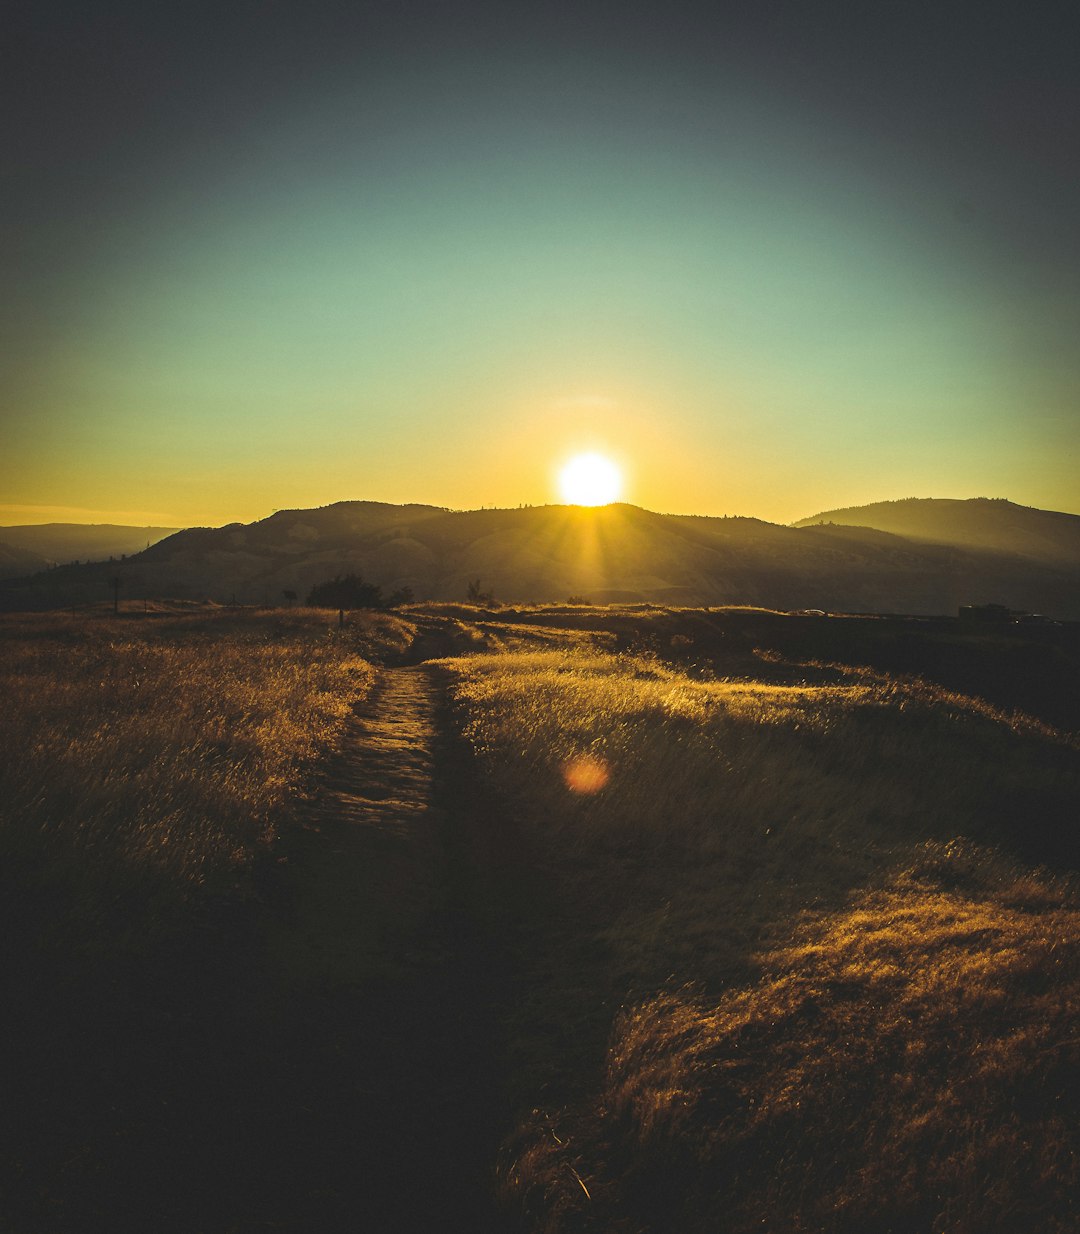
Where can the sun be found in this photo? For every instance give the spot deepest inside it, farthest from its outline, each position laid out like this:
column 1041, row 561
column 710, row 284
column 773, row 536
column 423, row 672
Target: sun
column 590, row 480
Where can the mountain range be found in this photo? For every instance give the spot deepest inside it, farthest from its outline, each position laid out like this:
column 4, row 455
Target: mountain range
column 926, row 556
column 26, row 550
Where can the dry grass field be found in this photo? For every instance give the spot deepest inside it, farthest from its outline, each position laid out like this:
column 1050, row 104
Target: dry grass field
column 149, row 765
column 796, row 976
column 149, row 758
column 714, row 932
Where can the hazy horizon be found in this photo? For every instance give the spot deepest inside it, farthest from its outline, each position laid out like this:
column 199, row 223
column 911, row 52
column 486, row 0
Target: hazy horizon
column 28, row 516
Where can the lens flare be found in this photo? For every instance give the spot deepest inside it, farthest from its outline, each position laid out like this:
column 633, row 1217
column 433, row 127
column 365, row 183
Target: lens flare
column 585, row 774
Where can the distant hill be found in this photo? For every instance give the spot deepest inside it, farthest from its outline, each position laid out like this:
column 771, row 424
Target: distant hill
column 981, row 523
column 56, row 543
column 16, row 562
column 616, row 553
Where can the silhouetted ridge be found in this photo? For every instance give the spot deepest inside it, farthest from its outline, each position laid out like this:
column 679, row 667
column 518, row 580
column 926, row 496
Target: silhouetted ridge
column 59, row 543
column 990, row 523
column 1001, row 554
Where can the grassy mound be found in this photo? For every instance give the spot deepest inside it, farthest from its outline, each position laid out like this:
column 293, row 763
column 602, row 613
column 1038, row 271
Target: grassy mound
column 908, row 1064
column 844, row 1003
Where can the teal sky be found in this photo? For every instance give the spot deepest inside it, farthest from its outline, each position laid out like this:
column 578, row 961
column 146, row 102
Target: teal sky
column 431, row 272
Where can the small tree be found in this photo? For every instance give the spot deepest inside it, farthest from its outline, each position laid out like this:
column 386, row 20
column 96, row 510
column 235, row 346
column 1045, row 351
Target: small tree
column 476, row 595
column 290, row 596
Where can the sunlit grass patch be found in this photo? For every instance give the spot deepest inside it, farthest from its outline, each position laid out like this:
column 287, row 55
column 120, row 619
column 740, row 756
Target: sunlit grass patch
column 709, row 763
column 795, row 1053
column 739, row 803
column 909, row 1063
column 152, row 758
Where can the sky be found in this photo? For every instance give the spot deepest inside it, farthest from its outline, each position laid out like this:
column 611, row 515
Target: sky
column 772, row 258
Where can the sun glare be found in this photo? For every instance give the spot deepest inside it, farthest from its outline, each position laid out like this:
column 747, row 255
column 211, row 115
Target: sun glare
column 590, row 480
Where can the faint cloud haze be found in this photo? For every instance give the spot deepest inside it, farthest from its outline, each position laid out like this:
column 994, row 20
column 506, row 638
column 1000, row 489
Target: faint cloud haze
column 15, row 514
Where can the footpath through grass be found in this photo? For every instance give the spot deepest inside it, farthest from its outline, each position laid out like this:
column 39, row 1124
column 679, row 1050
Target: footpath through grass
column 766, row 950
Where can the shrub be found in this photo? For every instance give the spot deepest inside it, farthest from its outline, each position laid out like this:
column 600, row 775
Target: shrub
column 346, row 591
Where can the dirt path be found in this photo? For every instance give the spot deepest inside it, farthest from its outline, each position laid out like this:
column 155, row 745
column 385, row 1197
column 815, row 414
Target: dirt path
column 385, row 978
column 367, row 863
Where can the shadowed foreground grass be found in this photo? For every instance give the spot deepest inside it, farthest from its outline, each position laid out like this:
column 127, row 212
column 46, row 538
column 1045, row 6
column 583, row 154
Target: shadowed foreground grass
column 908, row 1064
column 791, row 978
column 148, row 765
column 760, row 953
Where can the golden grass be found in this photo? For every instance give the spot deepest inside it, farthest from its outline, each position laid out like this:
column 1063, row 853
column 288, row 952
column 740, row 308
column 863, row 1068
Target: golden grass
column 910, row 1063
column 152, row 757
column 838, row 1015
column 151, row 1076
column 716, row 765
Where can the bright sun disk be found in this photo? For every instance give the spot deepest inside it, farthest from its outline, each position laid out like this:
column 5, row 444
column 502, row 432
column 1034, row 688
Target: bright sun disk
column 590, row 480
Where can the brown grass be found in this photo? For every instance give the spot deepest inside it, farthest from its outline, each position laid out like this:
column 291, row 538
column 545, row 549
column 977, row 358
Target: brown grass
column 148, row 758
column 838, row 1014
column 150, row 761
column 783, row 960
column 762, row 777
column 910, row 1063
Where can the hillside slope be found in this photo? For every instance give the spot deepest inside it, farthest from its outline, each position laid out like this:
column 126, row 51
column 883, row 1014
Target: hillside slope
column 981, row 522
column 16, row 562
column 616, row 553
column 64, row 542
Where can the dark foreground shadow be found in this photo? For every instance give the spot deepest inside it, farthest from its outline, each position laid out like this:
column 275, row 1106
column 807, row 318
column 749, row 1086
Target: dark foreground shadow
column 235, row 1082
